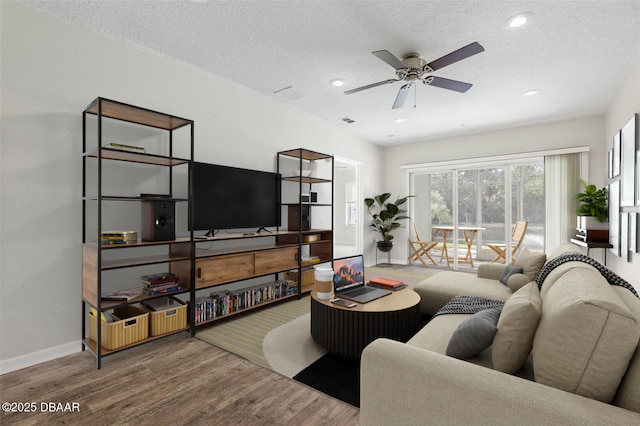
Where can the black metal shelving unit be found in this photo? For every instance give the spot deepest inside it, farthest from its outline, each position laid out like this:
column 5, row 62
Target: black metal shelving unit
column 179, row 251
column 318, row 241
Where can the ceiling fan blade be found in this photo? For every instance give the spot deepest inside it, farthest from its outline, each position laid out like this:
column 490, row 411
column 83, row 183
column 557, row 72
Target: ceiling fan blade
column 386, row 56
column 445, row 83
column 456, row 56
column 402, row 96
column 369, row 86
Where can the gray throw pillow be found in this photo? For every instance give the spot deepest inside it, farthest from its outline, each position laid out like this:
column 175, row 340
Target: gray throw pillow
column 508, row 271
column 474, row 334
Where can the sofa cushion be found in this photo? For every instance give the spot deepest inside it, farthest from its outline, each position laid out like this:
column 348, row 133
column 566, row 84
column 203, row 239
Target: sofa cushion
column 508, row 271
column 474, row 335
column 562, row 249
column 516, row 327
column 438, row 290
column 517, row 281
column 586, row 336
column 531, row 262
column 628, row 395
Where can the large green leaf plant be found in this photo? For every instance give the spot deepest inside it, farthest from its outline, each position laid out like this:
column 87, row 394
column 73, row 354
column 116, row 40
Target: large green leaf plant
column 385, row 215
column 594, row 202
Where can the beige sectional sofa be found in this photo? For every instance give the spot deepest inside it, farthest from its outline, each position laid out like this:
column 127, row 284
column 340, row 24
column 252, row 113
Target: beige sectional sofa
column 564, row 353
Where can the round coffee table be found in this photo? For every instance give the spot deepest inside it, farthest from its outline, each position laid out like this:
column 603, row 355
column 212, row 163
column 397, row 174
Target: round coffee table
column 346, row 331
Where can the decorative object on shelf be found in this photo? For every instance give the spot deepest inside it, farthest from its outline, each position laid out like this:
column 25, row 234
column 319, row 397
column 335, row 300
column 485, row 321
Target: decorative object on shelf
column 592, row 214
column 385, row 216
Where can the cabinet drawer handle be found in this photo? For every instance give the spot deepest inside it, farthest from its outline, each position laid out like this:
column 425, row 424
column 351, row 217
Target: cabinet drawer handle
column 199, row 274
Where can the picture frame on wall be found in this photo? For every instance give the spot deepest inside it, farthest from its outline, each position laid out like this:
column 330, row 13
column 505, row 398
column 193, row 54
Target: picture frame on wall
column 633, row 233
column 628, row 148
column 614, row 217
column 624, row 236
column 615, row 169
column 638, row 178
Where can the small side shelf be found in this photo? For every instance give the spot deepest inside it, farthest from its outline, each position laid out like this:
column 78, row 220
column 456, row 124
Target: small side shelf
column 135, row 157
column 105, row 352
column 133, row 114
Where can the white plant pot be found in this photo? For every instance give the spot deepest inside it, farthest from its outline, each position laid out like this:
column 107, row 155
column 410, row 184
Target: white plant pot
column 590, row 222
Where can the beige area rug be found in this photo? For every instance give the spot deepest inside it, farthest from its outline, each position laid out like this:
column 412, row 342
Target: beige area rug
column 278, row 337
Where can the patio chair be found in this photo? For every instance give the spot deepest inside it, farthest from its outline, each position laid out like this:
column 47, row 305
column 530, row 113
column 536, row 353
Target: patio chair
column 516, row 240
column 420, row 248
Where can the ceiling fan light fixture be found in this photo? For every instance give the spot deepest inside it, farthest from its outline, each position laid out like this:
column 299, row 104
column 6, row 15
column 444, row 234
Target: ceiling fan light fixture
column 519, row 20
column 337, row 82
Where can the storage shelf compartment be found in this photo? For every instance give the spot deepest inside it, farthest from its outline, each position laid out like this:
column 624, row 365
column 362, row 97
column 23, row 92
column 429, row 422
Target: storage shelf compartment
column 133, row 114
column 245, row 309
column 223, row 251
column 132, row 198
column 238, row 236
column 92, row 346
column 179, row 240
column 305, row 154
column 111, row 304
column 136, row 157
column 306, row 179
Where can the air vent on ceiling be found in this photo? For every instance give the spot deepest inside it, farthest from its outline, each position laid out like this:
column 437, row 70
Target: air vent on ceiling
column 348, row 120
column 289, row 93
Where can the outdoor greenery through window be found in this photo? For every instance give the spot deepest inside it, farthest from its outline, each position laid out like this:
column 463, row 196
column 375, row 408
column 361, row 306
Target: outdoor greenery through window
column 478, row 196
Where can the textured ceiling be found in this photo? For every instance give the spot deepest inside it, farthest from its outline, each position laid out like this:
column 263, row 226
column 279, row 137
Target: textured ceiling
column 576, row 52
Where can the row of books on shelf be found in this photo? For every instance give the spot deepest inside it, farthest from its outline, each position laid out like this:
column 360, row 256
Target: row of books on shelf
column 118, row 237
column 225, row 302
column 152, row 284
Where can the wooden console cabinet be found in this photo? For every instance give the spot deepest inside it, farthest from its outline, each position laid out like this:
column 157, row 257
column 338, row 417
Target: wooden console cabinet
column 227, row 268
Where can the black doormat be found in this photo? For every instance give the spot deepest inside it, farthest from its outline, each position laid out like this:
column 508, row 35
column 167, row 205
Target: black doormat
column 334, row 375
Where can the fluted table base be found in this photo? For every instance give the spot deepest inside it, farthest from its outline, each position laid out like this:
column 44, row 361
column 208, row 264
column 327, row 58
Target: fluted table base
column 346, row 332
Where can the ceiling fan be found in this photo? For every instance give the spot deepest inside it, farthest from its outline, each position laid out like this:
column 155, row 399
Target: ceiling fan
column 412, row 68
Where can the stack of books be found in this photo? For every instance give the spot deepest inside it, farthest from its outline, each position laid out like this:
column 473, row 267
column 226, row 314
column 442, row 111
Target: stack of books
column 165, row 282
column 118, row 237
column 128, row 148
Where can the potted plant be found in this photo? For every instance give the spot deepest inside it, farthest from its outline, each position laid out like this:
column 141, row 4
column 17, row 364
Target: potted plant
column 385, row 216
column 592, row 213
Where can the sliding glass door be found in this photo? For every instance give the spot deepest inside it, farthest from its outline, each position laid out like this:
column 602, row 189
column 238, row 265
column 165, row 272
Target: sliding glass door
column 464, row 209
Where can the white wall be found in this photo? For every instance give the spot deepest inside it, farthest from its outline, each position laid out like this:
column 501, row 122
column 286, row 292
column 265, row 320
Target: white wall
column 625, row 104
column 51, row 71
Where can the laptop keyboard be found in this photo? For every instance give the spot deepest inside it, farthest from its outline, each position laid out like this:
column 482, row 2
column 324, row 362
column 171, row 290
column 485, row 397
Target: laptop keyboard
column 358, row 291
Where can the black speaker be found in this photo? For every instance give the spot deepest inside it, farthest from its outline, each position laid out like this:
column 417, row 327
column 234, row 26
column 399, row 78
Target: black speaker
column 299, row 221
column 158, row 222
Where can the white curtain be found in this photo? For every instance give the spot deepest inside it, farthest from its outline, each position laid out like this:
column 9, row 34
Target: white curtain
column 562, row 183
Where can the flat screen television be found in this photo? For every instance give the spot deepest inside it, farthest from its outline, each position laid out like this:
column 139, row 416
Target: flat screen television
column 234, row 198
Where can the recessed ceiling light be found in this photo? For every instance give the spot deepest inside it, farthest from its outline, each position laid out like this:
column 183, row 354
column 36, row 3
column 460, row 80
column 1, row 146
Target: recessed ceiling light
column 337, row 82
column 519, row 20
column 531, row 92
column 400, row 120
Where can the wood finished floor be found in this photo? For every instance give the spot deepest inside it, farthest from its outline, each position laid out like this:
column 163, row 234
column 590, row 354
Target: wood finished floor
column 178, row 380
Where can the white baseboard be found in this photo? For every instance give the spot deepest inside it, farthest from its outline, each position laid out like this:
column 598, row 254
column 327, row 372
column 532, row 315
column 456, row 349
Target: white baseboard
column 44, row 355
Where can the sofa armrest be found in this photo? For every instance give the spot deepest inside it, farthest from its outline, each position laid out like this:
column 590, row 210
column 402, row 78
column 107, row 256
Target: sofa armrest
column 517, row 281
column 403, row 384
column 492, row 271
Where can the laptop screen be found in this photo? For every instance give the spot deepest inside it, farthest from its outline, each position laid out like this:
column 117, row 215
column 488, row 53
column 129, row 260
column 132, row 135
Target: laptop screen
column 348, row 272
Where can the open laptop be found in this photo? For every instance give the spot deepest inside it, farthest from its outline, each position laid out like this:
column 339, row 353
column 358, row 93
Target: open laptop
column 349, row 282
